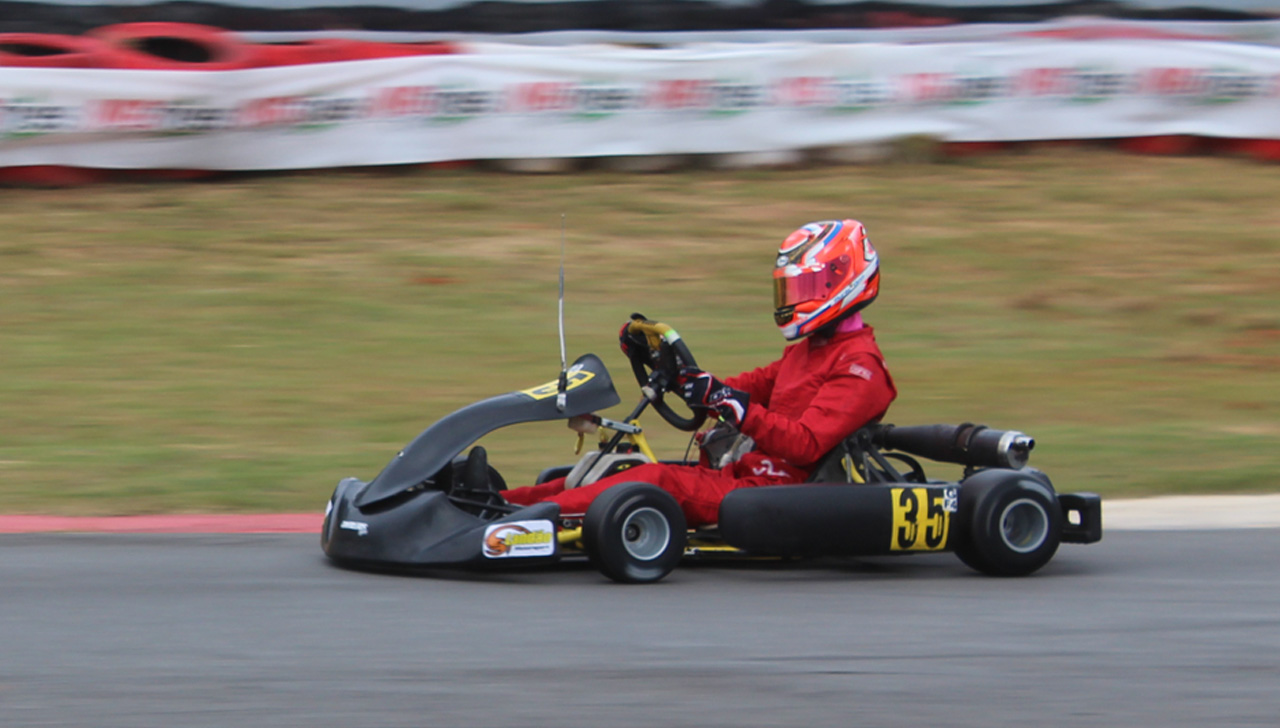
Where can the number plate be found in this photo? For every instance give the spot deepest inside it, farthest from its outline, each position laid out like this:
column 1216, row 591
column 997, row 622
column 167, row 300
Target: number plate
column 922, row 518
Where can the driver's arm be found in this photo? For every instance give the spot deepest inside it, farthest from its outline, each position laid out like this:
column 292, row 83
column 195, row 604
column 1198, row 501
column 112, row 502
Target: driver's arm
column 844, row 402
column 758, row 382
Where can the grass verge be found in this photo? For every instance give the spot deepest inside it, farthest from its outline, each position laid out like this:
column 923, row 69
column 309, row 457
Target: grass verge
column 241, row 345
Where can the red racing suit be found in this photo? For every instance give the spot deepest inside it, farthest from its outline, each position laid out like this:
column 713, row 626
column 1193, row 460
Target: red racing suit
column 801, row 407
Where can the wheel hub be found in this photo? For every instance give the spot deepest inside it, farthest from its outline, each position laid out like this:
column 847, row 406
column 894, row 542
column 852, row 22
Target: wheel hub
column 1024, row 525
column 646, row 534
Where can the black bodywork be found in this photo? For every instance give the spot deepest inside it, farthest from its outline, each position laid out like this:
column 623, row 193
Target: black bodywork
column 411, row 514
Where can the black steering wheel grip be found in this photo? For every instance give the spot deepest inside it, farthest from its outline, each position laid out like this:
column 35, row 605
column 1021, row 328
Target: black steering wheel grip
column 657, row 365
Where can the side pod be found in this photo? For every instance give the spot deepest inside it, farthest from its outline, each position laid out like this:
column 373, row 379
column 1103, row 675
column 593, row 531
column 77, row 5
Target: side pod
column 839, row 519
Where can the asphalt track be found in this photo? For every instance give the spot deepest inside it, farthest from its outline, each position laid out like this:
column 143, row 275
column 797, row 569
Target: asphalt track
column 1146, row 628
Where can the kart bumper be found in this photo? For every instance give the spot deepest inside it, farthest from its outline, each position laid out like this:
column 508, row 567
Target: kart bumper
column 423, row 529
column 1082, row 517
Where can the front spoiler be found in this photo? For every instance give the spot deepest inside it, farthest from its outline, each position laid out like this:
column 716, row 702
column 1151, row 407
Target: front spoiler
column 423, row 529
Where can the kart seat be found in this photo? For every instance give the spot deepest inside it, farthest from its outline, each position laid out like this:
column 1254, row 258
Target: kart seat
column 857, row 460
column 474, row 484
column 832, row 467
column 472, row 476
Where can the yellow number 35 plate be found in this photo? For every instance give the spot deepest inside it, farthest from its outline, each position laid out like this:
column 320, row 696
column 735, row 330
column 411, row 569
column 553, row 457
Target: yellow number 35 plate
column 922, row 518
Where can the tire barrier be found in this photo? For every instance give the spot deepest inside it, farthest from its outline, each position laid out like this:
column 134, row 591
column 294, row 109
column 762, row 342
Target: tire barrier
column 333, row 50
column 173, row 47
column 377, row 49
column 1164, row 145
column 44, row 50
column 504, row 17
column 1259, row 150
column 159, row 46
column 1264, row 150
column 50, row 176
column 533, row 109
column 972, row 149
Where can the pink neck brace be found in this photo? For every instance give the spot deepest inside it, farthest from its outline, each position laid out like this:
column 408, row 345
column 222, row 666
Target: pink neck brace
column 853, row 323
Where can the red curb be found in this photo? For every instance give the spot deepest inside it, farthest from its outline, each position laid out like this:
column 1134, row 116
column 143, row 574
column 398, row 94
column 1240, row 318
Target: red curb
column 185, row 523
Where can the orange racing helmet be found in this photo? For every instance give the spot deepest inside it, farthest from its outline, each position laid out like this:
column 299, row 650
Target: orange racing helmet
column 825, row 271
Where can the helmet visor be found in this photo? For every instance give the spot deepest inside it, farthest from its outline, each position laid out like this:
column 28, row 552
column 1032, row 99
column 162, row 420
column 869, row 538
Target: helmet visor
column 808, row 286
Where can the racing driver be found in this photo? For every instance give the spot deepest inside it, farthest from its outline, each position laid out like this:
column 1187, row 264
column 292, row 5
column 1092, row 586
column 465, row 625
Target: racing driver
column 829, row 383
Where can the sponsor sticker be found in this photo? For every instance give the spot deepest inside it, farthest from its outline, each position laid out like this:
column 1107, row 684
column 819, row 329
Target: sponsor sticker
column 951, row 500
column 520, row 539
column 360, row 527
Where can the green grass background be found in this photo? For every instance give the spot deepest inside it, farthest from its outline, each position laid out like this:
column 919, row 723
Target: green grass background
column 241, row 345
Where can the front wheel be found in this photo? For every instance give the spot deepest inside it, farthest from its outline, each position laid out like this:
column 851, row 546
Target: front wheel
column 634, row 533
column 1010, row 522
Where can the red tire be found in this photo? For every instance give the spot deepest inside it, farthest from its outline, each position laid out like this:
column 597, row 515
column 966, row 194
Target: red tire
column 44, row 50
column 1164, row 145
column 298, row 53
column 1264, row 150
column 50, row 176
column 375, row 49
column 173, row 46
column 972, row 149
column 331, row 50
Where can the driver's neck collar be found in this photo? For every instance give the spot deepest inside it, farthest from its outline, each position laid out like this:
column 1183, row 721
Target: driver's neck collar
column 853, row 323
column 843, row 326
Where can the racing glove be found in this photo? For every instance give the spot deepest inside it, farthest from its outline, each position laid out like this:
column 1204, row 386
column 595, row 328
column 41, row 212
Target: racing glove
column 700, row 390
column 629, row 341
column 625, row 341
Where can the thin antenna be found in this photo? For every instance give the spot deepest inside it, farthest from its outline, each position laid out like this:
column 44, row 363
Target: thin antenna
column 564, row 366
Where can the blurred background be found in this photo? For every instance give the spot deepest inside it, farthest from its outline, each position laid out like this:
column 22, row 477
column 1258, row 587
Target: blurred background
column 251, row 248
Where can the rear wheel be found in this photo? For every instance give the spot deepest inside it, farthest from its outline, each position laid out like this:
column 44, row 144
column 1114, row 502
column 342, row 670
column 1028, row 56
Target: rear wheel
column 634, row 533
column 1011, row 523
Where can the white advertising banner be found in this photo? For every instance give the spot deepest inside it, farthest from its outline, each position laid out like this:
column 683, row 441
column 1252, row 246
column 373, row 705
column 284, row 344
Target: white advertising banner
column 505, row 101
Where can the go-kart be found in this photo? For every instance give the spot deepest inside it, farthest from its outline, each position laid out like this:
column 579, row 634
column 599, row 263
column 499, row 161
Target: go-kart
column 434, row 507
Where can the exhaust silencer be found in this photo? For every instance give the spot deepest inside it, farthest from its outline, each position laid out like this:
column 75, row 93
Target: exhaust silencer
column 971, row 445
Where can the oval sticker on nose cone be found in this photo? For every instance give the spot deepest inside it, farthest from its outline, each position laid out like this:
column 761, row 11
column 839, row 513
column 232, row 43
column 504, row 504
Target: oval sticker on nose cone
column 520, row 539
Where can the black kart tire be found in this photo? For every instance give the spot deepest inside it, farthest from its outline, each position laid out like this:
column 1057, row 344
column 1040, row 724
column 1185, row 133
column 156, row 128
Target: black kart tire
column 1010, row 523
column 634, row 533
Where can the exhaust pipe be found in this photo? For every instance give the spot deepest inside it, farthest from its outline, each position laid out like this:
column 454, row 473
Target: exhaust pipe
column 975, row 446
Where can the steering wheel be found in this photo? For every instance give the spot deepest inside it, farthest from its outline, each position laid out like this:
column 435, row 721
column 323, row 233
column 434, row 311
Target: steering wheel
column 657, row 354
